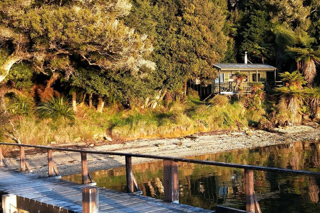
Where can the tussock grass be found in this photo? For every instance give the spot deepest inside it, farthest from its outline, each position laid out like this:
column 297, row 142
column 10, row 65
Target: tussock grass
column 174, row 120
column 45, row 131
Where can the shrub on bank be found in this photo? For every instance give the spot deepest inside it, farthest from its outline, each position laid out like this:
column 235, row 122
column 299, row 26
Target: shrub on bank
column 173, row 120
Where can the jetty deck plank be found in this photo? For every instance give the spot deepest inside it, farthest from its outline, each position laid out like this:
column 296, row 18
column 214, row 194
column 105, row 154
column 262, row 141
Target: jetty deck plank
column 65, row 195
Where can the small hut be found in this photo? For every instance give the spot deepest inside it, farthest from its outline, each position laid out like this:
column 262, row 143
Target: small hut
column 228, row 77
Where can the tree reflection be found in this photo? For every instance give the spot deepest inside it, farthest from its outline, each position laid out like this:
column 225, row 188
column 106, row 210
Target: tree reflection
column 206, row 186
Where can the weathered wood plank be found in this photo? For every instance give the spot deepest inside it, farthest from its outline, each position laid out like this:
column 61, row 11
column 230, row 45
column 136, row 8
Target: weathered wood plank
column 55, row 195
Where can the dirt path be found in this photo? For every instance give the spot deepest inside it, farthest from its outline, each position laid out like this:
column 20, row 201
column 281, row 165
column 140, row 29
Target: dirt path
column 69, row 163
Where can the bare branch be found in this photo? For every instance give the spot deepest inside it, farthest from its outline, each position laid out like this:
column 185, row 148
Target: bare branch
column 14, row 134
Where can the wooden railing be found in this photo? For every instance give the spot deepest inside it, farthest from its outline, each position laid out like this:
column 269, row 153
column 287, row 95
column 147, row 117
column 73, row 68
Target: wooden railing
column 171, row 186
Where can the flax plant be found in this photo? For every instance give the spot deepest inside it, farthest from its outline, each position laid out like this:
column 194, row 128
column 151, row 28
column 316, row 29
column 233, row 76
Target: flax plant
column 56, row 108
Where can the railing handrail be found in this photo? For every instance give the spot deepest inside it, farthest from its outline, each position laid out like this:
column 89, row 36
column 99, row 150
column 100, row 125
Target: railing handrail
column 176, row 159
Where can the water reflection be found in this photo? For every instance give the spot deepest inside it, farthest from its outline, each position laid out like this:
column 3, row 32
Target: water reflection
column 207, row 186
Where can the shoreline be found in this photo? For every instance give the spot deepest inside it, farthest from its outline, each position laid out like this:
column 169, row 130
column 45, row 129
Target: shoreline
column 194, row 145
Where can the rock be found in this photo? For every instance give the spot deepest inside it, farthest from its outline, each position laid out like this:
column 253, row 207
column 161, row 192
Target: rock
column 192, row 137
column 179, row 143
column 249, row 133
column 107, row 137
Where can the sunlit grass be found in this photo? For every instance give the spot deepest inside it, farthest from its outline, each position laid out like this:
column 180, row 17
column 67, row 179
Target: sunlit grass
column 174, row 120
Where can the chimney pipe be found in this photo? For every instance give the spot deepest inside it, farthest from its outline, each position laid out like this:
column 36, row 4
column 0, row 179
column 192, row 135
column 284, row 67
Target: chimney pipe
column 245, row 57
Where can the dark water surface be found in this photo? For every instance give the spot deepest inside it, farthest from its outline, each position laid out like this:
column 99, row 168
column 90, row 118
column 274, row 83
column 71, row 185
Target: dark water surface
column 207, row 186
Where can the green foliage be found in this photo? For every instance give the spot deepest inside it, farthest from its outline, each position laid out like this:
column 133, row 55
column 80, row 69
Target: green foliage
column 219, row 100
column 89, row 41
column 314, row 29
column 292, row 14
column 4, row 119
column 122, row 85
column 19, row 105
column 61, row 37
column 293, row 79
column 21, row 76
column 188, row 37
column 313, row 99
column 193, row 94
column 291, row 97
column 255, row 34
column 56, row 108
column 307, row 59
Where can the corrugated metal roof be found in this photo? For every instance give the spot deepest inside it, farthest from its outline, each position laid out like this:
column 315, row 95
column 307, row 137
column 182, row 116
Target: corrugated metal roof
column 235, row 67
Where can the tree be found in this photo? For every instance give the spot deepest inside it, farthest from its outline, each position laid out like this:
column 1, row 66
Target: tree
column 303, row 49
column 255, row 32
column 54, row 34
column 313, row 95
column 124, row 86
column 187, row 36
column 294, row 79
column 284, row 37
column 293, row 14
column 307, row 59
column 264, row 27
column 290, row 17
column 292, row 94
column 314, row 29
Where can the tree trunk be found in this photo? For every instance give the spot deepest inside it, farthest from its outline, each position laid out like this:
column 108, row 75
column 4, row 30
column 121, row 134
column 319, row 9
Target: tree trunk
column 10, row 61
column 168, row 98
column 90, row 100
column 83, row 100
column 74, row 101
column 185, row 88
column 6, row 66
column 100, row 104
column 163, row 94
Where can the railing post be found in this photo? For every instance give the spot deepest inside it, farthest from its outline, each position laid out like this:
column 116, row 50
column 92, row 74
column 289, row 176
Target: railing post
column 1, row 157
column 23, row 163
column 90, row 200
column 250, row 207
column 52, row 169
column 171, row 181
column 22, row 159
column 129, row 174
column 84, row 167
column 50, row 163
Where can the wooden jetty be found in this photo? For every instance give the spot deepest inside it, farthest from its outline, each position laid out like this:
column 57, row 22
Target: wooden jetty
column 50, row 194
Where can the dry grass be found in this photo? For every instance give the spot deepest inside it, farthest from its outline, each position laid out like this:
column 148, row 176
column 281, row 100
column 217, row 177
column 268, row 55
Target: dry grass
column 177, row 119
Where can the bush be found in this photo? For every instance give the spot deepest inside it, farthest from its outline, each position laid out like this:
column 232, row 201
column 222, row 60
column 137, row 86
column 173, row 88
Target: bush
column 219, row 100
column 19, row 105
column 56, row 108
column 4, row 119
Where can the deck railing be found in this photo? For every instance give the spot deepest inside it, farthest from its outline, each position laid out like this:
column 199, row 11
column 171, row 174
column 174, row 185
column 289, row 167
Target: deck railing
column 171, row 185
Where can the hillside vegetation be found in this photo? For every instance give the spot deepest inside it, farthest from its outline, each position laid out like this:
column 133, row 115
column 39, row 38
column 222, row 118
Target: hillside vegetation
column 80, row 70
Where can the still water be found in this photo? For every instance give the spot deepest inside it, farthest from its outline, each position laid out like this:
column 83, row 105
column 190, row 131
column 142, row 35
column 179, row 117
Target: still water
column 207, row 186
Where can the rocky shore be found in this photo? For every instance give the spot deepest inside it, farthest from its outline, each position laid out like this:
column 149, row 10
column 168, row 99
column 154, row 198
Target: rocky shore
column 198, row 144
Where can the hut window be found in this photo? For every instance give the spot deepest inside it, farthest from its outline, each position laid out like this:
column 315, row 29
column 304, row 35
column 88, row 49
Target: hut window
column 221, row 78
column 254, row 77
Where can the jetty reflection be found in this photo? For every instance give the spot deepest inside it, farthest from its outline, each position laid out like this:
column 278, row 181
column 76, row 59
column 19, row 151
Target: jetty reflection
column 207, row 186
